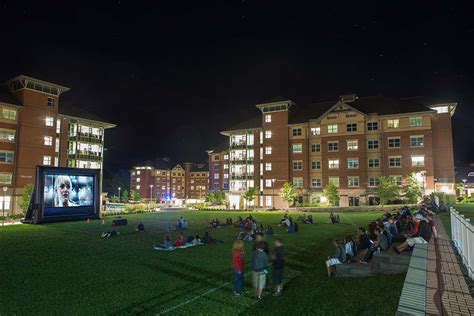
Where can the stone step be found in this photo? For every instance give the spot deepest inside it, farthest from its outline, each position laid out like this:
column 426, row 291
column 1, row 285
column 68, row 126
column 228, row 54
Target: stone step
column 354, row 270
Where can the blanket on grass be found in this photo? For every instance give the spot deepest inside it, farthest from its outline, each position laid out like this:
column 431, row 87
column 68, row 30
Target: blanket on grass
column 187, row 245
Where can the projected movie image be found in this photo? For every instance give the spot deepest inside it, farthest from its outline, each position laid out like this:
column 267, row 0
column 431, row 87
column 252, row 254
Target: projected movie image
column 63, row 193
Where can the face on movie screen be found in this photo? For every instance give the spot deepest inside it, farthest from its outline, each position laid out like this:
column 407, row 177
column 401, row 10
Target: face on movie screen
column 61, row 190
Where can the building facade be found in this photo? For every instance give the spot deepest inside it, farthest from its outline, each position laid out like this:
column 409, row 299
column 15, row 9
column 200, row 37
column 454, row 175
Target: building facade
column 176, row 186
column 350, row 142
column 219, row 168
column 35, row 131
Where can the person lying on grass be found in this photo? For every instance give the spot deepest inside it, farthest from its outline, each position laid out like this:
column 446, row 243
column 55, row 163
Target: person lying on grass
column 238, row 259
column 259, row 269
column 380, row 244
column 422, row 235
column 339, row 258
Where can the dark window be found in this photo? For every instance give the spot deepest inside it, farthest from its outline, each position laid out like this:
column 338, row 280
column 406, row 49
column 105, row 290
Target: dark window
column 372, row 126
column 352, row 127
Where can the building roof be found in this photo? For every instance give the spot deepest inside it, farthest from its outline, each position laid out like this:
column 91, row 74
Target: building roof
column 224, row 146
column 253, row 123
column 6, row 96
column 302, row 114
column 199, row 167
column 275, row 99
column 69, row 110
column 428, row 101
column 386, row 106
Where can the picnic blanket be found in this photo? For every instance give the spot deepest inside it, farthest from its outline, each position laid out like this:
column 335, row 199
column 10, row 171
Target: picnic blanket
column 187, row 245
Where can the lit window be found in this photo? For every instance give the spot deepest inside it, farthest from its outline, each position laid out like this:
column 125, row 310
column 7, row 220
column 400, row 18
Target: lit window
column 268, row 183
column 216, row 176
column 373, row 144
column 226, row 157
column 417, row 160
column 416, row 121
column 138, row 187
column 333, row 163
column 268, row 118
column 47, row 160
column 296, row 131
column 334, row 181
column 8, row 114
column 6, row 178
column 333, row 146
column 394, row 142
column 268, row 134
column 268, row 150
column 315, row 131
column 58, row 126
column 56, row 147
column 372, row 126
column 297, row 165
column 6, row 157
column 353, row 181
column 5, row 203
column 352, row 145
column 49, row 121
column 316, row 182
column 268, row 200
column 138, row 172
column 50, row 101
column 315, row 164
column 297, row 148
column 393, row 123
column 48, row 141
column 417, row 141
column 226, row 166
column 138, row 179
column 374, row 163
column 374, row 182
column 315, row 148
column 7, row 135
column 395, row 162
column 351, row 127
column 298, row 182
column 56, row 161
column 353, row 163
column 332, row 129
column 268, row 166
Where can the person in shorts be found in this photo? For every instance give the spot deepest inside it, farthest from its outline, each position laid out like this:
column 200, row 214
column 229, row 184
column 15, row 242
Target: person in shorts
column 259, row 269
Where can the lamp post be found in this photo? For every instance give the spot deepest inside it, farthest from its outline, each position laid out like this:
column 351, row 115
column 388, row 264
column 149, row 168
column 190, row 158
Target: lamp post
column 3, row 205
column 151, row 194
column 464, row 186
column 120, row 198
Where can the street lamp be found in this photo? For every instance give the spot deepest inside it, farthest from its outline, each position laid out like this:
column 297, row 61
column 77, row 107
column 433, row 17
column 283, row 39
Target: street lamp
column 120, row 198
column 3, row 205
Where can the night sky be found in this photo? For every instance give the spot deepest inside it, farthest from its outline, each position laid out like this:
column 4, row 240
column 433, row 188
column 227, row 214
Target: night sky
column 172, row 74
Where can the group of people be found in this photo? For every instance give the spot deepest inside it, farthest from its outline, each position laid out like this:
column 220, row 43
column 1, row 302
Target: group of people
column 215, row 223
column 261, row 257
column 181, row 223
column 334, row 219
column 249, row 228
column 287, row 221
column 401, row 229
column 307, row 219
column 182, row 241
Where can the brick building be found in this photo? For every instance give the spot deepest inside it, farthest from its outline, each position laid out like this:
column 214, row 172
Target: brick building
column 349, row 142
column 35, row 130
column 219, row 168
column 176, row 185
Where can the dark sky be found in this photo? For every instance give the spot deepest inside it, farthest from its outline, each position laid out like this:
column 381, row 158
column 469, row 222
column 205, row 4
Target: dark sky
column 172, row 74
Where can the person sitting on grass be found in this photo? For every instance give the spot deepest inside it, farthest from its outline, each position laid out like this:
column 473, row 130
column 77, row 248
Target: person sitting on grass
column 278, row 263
column 196, row 240
column 185, row 224
column 140, row 227
column 269, row 231
column 422, row 235
column 208, row 239
column 339, row 258
column 180, row 241
column 238, row 260
column 286, row 221
column 261, row 229
column 381, row 244
column 167, row 243
column 309, row 220
column 338, row 219
column 332, row 218
column 259, row 269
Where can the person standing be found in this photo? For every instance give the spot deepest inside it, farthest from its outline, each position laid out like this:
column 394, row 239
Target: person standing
column 278, row 263
column 259, row 269
column 238, row 258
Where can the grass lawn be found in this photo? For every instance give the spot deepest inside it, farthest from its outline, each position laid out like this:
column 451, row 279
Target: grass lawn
column 465, row 209
column 67, row 268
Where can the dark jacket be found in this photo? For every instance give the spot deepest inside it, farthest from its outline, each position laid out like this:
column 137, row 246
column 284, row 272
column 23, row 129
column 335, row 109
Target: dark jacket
column 424, row 231
column 279, row 260
column 259, row 261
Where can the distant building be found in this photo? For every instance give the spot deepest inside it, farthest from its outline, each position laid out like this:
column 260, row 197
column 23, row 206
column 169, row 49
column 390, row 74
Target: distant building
column 349, row 142
column 219, row 168
column 35, row 130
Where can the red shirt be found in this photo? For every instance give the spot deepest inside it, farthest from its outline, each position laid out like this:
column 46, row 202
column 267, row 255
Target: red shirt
column 238, row 260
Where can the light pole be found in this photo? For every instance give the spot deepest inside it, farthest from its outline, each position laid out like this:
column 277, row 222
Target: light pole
column 3, row 205
column 273, row 193
column 151, row 194
column 464, row 190
column 120, row 198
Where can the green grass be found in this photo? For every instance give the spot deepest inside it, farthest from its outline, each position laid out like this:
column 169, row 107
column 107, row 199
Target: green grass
column 465, row 209
column 66, row 268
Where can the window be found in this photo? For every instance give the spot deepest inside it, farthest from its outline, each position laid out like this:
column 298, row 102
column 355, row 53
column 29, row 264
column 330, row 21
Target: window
column 316, row 182
column 47, row 161
column 226, row 166
column 333, row 163
column 48, row 140
column 374, row 182
column 416, row 121
column 297, row 148
column 268, row 150
column 268, row 118
column 298, row 182
column 268, row 183
column 417, row 160
column 138, row 187
column 226, row 157
column 56, row 147
column 332, row 129
column 395, row 161
column 50, row 101
column 373, row 144
column 351, row 127
column 268, row 134
column 374, row 162
column 296, row 131
column 216, row 166
column 352, row 145
column 58, row 126
column 394, row 142
column 6, row 157
column 7, row 135
column 138, row 179
column 216, row 176
column 56, row 161
column 393, row 123
column 315, row 131
column 297, row 165
column 399, row 180
column 315, row 164
column 49, row 121
column 9, row 114
column 6, row 178
column 353, row 181
column 334, row 181
column 268, row 166
column 315, row 148
column 5, row 202
column 372, row 126
column 268, row 200
column 353, row 163
column 138, row 172
column 417, row 141
column 226, row 176
column 353, row 201
column 333, row 146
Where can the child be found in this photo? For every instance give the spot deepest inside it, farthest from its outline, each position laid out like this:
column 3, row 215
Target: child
column 238, row 258
column 259, row 269
column 278, row 263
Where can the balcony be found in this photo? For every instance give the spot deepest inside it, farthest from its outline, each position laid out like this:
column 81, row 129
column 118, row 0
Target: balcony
column 240, row 145
column 241, row 161
column 86, row 138
column 241, row 177
column 85, row 156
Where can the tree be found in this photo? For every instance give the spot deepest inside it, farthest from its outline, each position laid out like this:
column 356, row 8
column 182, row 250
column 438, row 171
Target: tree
column 387, row 189
column 331, row 193
column 115, row 199
column 26, row 197
column 215, row 197
column 135, row 195
column 250, row 195
column 288, row 193
column 412, row 190
column 125, row 196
